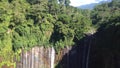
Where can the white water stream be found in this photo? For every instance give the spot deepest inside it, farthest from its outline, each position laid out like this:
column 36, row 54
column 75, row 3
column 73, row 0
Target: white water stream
column 52, row 58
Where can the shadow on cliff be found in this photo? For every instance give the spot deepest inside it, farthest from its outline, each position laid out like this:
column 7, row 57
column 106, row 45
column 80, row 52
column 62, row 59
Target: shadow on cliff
column 101, row 50
column 78, row 55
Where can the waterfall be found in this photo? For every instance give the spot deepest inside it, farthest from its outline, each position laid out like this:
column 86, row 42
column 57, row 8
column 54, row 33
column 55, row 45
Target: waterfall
column 86, row 51
column 32, row 58
column 52, row 58
column 84, row 54
column 88, row 54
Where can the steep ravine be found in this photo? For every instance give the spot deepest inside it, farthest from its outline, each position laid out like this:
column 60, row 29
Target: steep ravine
column 100, row 50
column 69, row 57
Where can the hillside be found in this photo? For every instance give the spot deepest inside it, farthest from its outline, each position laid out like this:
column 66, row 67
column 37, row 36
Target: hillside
column 92, row 5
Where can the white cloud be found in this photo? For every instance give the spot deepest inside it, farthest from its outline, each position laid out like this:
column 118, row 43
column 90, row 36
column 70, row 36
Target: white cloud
column 83, row 2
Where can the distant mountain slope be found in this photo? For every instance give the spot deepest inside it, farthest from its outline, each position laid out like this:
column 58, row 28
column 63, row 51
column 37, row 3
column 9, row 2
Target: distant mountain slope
column 88, row 6
column 92, row 5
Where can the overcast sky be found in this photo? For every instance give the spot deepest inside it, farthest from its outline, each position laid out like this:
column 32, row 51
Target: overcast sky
column 83, row 2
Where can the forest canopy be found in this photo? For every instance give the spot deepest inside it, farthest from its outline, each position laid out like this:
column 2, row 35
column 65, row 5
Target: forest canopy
column 28, row 23
column 41, row 23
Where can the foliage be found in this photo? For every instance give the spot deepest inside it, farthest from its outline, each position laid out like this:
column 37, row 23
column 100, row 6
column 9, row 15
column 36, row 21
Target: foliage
column 103, row 14
column 25, row 24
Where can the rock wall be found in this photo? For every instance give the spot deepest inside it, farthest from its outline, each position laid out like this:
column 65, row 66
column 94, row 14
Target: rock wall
column 76, row 56
column 69, row 57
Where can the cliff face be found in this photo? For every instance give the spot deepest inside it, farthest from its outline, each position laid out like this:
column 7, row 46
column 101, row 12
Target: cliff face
column 101, row 50
column 68, row 57
column 105, row 50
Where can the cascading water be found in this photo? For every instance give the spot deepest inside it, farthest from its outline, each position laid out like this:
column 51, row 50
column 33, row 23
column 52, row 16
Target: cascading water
column 86, row 51
column 52, row 58
column 88, row 54
column 84, row 55
column 37, row 57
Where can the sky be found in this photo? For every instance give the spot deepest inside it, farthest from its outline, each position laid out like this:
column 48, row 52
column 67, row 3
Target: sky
column 83, row 2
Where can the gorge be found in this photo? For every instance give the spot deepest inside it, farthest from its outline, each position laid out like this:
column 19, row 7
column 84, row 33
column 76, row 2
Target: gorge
column 53, row 34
